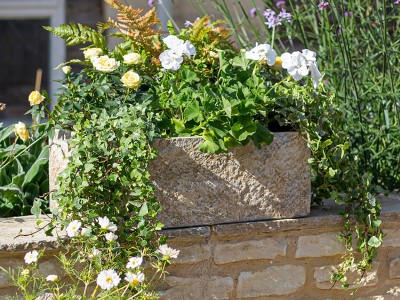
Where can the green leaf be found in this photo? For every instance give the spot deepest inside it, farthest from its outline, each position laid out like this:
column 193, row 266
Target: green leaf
column 179, row 125
column 143, row 210
column 37, row 166
column 209, row 147
column 374, row 242
column 193, row 112
column 262, row 136
column 6, row 132
column 227, row 107
column 36, row 210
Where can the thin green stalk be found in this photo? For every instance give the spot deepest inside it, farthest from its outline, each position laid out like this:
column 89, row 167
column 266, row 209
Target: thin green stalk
column 303, row 35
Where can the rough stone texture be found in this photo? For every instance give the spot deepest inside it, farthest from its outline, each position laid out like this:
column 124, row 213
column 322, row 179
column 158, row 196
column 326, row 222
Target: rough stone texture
column 194, row 253
column 325, row 244
column 246, row 184
column 218, row 288
column 322, row 277
column 391, row 238
column 8, row 264
column 394, row 269
column 248, row 250
column 277, row 280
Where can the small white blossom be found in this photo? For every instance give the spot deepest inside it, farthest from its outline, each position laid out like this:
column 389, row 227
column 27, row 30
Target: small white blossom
column 134, row 262
column 170, row 61
column 86, row 231
column 188, row 49
column 295, row 64
column 51, row 278
column 111, row 236
column 173, row 42
column 95, row 253
column 73, row 228
column 262, row 52
column 134, row 279
column 106, row 224
column 108, row 279
column 168, row 252
column 315, row 74
column 31, row 257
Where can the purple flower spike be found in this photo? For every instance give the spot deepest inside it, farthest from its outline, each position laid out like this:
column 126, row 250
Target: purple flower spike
column 396, row 1
column 323, row 5
column 283, row 15
column 281, row 3
column 151, row 3
column 253, row 12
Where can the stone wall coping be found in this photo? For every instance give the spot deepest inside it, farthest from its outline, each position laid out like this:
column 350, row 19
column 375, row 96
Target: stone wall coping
column 321, row 217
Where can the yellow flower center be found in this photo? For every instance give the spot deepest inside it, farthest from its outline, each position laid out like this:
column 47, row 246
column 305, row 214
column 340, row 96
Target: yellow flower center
column 109, row 279
column 135, row 282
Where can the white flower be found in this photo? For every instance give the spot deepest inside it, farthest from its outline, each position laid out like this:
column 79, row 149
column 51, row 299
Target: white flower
column 315, row 74
column 261, row 52
column 132, row 58
column 168, row 252
column 86, row 231
column 31, row 257
column 295, row 64
column 66, row 70
column 106, row 224
column 92, row 53
column 170, row 60
column 105, row 64
column 173, row 42
column 134, row 262
column 107, row 279
column 309, row 56
column 95, row 253
column 111, row 237
column 73, row 228
column 134, row 279
column 188, row 49
column 51, row 278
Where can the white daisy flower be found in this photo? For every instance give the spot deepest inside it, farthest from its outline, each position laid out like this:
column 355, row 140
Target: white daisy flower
column 108, row 279
column 133, row 278
column 134, row 262
column 111, row 237
column 106, row 224
column 168, row 252
column 73, row 228
column 31, row 257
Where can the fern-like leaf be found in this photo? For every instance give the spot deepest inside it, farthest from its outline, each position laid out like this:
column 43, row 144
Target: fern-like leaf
column 76, row 34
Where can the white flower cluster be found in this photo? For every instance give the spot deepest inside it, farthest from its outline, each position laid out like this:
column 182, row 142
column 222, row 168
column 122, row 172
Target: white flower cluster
column 172, row 58
column 300, row 64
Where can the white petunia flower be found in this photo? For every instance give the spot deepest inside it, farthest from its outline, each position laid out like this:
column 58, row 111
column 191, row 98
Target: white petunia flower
column 31, row 257
column 134, row 279
column 95, row 253
column 106, row 224
column 108, row 279
column 111, row 236
column 315, row 74
column 73, row 228
column 188, row 49
column 134, row 262
column 170, row 60
column 168, row 252
column 262, row 52
column 295, row 64
column 51, row 278
column 173, row 42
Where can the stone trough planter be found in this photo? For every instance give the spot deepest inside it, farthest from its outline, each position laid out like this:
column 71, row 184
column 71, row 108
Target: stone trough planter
column 245, row 184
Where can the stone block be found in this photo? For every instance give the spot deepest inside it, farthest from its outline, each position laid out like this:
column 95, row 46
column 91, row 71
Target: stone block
column 276, row 280
column 245, row 184
column 267, row 248
column 9, row 264
column 391, row 238
column 193, row 253
column 212, row 288
column 322, row 278
column 394, row 269
column 324, row 244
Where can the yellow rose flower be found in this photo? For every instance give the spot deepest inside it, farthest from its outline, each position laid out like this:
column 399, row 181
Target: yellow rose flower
column 132, row 58
column 131, row 80
column 278, row 64
column 35, row 98
column 67, row 70
column 21, row 131
column 92, row 53
column 105, row 64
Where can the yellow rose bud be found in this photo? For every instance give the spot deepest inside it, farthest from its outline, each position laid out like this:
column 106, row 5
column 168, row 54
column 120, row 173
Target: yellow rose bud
column 67, row 70
column 132, row 59
column 131, row 80
column 35, row 98
column 278, row 64
column 92, row 52
column 21, row 131
column 25, row 272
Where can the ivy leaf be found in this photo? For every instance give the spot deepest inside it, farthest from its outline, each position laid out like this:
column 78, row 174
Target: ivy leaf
column 374, row 242
column 262, row 136
column 209, row 147
column 143, row 210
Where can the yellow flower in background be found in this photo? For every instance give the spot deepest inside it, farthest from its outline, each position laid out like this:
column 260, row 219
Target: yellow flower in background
column 132, row 58
column 66, row 70
column 35, row 98
column 92, row 53
column 21, row 131
column 131, row 80
column 278, row 63
column 105, row 64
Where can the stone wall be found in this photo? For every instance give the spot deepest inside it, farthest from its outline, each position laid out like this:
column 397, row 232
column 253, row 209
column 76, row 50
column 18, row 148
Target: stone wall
column 280, row 259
